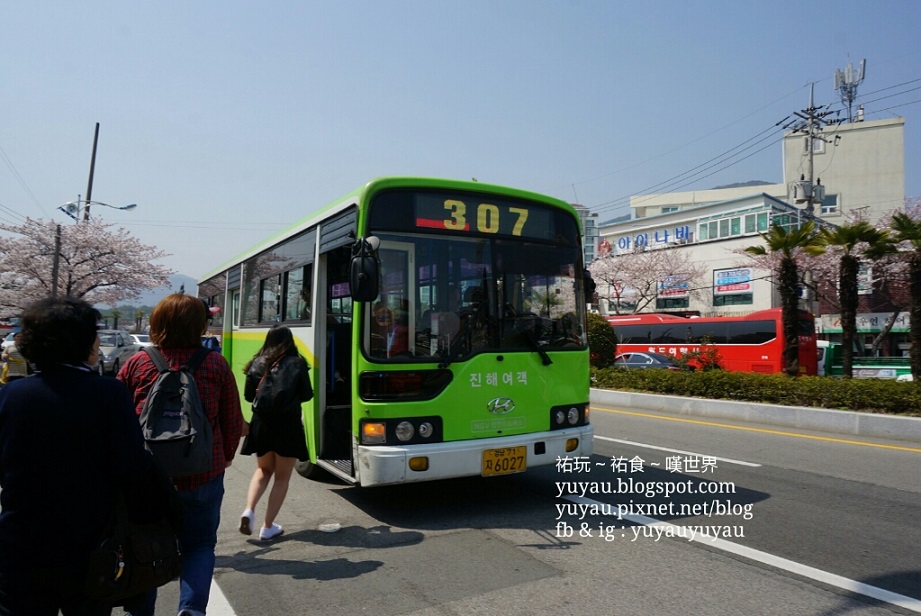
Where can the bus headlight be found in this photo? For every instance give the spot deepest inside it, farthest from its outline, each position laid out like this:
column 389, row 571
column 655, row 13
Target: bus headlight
column 569, row 416
column 401, row 430
column 404, row 431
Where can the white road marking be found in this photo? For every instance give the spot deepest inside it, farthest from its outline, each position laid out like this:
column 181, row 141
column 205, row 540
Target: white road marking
column 806, row 571
column 687, row 453
column 217, row 603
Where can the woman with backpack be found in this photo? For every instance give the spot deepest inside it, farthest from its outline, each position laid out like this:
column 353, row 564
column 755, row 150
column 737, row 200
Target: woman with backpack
column 177, row 324
column 277, row 382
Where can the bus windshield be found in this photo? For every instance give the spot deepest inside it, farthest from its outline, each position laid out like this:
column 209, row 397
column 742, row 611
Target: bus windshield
column 448, row 296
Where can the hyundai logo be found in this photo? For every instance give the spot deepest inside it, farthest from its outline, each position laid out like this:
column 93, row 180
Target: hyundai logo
column 500, row 406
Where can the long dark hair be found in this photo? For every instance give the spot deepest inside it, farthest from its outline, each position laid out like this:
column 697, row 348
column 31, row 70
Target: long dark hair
column 279, row 342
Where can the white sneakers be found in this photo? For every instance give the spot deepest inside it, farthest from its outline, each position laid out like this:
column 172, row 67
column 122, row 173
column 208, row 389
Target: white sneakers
column 270, row 533
column 247, row 522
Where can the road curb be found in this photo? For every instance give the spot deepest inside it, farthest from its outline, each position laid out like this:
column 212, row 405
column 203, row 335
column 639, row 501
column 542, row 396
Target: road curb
column 803, row 417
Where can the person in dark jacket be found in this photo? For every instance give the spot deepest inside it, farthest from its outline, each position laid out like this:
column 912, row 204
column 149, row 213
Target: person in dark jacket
column 276, row 433
column 69, row 440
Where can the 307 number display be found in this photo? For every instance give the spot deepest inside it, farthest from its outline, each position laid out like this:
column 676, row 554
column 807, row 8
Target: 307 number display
column 487, row 217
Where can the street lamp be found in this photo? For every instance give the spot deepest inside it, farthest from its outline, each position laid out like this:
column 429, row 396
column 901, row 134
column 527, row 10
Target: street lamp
column 73, row 208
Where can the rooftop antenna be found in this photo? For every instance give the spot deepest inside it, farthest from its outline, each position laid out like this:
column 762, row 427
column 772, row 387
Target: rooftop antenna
column 846, row 82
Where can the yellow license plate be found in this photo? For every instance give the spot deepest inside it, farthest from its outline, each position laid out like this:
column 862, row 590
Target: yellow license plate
column 505, row 461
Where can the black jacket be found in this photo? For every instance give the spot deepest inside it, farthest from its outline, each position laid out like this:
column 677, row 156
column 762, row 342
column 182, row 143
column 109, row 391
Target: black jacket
column 68, row 439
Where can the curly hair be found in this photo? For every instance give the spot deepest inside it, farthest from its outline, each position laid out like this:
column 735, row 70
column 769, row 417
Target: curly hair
column 58, row 330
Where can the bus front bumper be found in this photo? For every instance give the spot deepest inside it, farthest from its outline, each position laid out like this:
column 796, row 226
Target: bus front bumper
column 390, row 465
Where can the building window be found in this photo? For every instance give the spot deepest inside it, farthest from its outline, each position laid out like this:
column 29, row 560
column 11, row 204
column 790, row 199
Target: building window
column 818, row 145
column 735, row 226
column 669, row 208
column 751, row 223
column 830, row 205
column 733, row 300
column 670, row 303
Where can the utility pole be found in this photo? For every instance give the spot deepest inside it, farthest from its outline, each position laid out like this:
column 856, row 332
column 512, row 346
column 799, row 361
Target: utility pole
column 89, row 184
column 810, row 123
column 57, row 261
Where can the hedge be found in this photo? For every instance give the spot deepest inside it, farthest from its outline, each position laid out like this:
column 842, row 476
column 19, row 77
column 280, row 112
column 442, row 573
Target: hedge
column 867, row 395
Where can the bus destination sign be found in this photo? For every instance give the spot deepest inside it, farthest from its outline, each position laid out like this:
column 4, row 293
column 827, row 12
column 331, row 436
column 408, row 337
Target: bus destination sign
column 470, row 215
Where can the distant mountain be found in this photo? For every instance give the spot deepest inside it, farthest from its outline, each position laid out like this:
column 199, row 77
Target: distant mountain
column 176, row 282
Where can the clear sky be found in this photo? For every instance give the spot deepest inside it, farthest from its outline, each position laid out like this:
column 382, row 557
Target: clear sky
column 225, row 121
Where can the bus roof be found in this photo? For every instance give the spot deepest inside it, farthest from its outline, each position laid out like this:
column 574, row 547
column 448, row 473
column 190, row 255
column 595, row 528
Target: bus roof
column 361, row 194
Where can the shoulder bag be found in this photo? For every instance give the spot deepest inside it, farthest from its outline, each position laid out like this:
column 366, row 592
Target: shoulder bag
column 137, row 555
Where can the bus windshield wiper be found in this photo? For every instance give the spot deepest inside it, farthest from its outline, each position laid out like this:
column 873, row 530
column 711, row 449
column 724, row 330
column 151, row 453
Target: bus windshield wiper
column 520, row 325
column 448, row 355
column 545, row 359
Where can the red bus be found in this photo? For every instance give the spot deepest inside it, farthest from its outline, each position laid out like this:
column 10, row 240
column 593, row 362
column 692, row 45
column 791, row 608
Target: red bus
column 753, row 343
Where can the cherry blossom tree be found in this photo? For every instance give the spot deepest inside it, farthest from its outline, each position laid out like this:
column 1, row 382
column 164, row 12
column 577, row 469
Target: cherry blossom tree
column 632, row 281
column 94, row 262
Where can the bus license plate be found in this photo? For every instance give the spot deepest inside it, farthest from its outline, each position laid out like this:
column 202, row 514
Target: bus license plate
column 505, row 461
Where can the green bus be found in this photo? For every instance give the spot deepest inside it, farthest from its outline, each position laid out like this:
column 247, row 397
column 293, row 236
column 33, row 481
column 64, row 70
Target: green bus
column 444, row 321
column 831, row 363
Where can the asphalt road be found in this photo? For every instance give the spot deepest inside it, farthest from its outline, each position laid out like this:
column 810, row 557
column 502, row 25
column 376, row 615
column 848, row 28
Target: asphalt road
column 805, row 523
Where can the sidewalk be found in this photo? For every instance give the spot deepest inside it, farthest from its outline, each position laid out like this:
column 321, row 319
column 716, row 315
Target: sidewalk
column 805, row 418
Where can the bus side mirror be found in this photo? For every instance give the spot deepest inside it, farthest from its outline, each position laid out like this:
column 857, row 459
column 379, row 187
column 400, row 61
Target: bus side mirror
column 589, row 286
column 364, row 271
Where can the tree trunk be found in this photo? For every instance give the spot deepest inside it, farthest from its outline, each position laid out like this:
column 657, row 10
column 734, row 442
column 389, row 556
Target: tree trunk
column 847, row 295
column 789, row 301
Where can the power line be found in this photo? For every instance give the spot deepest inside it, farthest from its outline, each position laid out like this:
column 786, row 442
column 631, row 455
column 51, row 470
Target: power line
column 687, row 177
column 681, row 180
column 22, row 182
column 17, row 219
column 702, row 137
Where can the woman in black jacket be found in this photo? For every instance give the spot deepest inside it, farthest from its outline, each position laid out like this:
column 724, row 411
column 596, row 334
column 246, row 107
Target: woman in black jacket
column 69, row 440
column 277, row 382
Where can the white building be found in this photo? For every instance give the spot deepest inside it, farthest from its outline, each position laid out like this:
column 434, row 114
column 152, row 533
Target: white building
column 589, row 222
column 861, row 166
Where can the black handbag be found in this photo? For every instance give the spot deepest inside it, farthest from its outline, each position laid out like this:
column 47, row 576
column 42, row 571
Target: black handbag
column 137, row 555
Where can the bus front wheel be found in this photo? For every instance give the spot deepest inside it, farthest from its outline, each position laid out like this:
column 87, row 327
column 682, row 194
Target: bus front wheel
column 308, row 470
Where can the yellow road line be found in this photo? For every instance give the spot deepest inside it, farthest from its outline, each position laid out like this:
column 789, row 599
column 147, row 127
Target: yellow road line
column 762, row 430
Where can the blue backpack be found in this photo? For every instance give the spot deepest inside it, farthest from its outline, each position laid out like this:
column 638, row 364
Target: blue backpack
column 174, row 424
